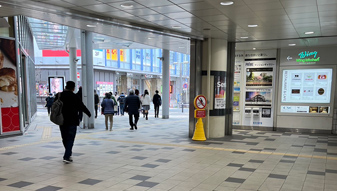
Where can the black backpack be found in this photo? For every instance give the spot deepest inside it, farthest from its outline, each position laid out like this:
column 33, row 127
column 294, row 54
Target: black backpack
column 122, row 100
column 56, row 111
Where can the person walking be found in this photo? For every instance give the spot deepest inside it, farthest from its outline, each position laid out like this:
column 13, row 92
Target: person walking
column 96, row 102
column 157, row 103
column 116, row 108
column 132, row 105
column 70, row 111
column 49, row 102
column 121, row 100
column 108, row 106
column 146, row 100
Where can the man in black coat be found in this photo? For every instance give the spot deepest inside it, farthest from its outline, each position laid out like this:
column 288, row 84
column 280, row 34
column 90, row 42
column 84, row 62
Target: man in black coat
column 156, row 102
column 132, row 105
column 71, row 107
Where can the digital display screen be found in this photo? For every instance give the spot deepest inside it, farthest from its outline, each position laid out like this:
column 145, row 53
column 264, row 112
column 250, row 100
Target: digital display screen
column 56, row 84
column 306, row 86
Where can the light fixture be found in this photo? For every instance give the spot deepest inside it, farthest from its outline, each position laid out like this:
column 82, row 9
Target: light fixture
column 126, row 5
column 176, row 27
column 244, row 37
column 225, row 3
column 310, row 32
column 254, row 48
column 91, row 26
column 181, row 47
column 253, row 26
column 149, row 38
column 0, row 5
column 291, row 44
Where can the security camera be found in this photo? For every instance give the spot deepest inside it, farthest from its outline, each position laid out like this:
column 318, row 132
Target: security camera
column 76, row 60
column 161, row 58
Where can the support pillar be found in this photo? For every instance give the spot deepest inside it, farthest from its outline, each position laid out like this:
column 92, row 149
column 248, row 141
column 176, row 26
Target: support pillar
column 72, row 58
column 214, row 83
column 166, row 84
column 88, row 78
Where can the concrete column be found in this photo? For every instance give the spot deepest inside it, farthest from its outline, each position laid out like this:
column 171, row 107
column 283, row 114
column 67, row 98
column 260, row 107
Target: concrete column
column 166, row 84
column 72, row 57
column 88, row 78
column 214, row 63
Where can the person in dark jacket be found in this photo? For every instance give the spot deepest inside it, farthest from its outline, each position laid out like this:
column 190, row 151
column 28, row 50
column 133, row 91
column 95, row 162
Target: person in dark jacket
column 108, row 105
column 79, row 95
column 132, row 105
column 121, row 100
column 71, row 106
column 96, row 102
column 157, row 103
column 49, row 102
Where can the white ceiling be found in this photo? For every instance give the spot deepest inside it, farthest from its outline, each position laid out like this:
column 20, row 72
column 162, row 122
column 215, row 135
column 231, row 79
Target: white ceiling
column 276, row 19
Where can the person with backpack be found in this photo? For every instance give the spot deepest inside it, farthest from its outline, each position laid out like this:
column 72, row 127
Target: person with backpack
column 71, row 105
column 157, row 103
column 108, row 108
column 121, row 100
column 49, row 102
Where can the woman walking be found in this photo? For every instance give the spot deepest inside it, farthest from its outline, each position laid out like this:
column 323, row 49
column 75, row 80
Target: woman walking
column 108, row 110
column 146, row 100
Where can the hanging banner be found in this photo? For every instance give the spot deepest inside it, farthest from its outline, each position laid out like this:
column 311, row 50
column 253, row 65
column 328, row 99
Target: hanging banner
column 114, row 54
column 108, row 54
column 8, row 87
column 121, row 54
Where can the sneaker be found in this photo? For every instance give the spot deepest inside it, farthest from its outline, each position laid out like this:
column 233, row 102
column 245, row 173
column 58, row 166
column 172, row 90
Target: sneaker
column 135, row 126
column 67, row 161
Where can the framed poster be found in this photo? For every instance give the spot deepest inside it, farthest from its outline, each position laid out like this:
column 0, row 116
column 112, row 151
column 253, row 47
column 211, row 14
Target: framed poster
column 259, row 77
column 258, row 98
column 56, row 84
column 8, row 87
column 220, row 91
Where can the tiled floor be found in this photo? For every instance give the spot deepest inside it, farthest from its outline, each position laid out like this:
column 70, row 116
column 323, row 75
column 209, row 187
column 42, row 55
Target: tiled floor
column 159, row 156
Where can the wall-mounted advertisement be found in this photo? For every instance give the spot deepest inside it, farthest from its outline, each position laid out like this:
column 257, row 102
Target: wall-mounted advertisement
column 259, row 77
column 8, row 87
column 236, row 101
column 104, row 87
column 56, row 84
column 306, row 86
column 258, row 97
column 42, row 89
column 220, row 91
column 114, row 55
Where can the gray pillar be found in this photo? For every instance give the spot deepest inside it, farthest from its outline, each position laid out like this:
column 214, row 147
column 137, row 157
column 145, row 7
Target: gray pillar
column 72, row 65
column 88, row 77
column 166, row 84
column 72, row 57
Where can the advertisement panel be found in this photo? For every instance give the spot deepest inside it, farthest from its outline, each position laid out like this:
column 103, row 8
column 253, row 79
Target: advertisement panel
column 220, row 91
column 8, row 87
column 104, row 87
column 56, row 84
column 306, row 86
column 108, row 54
column 122, row 55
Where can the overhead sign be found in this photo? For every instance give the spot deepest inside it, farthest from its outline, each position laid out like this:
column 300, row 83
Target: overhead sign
column 200, row 102
column 308, row 57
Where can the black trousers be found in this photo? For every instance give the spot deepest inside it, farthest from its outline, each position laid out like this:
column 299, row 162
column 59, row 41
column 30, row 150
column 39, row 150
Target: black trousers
column 136, row 116
column 48, row 108
column 96, row 108
column 156, row 110
column 68, row 133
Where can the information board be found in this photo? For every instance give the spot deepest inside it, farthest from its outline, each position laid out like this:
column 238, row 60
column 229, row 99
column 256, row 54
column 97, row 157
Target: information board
column 306, row 86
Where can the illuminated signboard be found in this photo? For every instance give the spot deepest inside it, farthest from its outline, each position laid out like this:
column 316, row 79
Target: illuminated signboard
column 308, row 57
column 306, row 86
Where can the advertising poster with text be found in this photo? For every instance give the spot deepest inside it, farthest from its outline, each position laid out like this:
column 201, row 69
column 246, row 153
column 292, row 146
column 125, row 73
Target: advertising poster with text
column 8, row 87
column 220, row 91
column 258, row 98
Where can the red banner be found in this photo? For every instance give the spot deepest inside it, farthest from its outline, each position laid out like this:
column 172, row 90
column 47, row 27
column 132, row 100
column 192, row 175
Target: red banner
column 58, row 53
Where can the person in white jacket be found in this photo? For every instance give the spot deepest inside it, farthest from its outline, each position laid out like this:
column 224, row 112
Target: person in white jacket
column 146, row 100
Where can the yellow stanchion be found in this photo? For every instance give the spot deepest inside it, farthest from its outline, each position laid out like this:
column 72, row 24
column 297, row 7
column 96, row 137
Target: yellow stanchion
column 199, row 133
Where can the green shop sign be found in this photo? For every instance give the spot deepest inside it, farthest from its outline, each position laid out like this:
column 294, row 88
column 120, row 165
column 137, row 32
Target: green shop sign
column 307, row 57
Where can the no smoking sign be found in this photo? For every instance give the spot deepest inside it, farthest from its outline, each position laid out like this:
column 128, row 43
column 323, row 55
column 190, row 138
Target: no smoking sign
column 200, row 102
